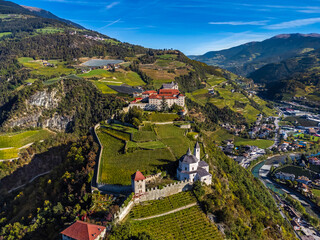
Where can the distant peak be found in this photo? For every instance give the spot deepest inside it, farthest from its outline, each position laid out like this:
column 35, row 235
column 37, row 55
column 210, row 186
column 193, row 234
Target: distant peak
column 284, row 36
column 32, row 9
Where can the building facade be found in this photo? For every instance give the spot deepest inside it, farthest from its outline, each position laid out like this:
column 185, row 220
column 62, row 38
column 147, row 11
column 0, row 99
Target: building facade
column 192, row 168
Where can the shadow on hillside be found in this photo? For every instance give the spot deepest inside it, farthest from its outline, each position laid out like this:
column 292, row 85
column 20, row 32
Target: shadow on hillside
column 39, row 164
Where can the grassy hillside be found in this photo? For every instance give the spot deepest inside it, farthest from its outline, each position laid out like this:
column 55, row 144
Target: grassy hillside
column 11, row 143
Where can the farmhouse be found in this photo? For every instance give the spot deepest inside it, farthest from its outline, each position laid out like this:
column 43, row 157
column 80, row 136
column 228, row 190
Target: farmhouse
column 83, row 231
column 191, row 168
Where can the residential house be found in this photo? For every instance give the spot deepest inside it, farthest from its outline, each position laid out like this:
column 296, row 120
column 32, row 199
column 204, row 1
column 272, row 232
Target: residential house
column 83, row 231
column 285, row 176
column 303, row 179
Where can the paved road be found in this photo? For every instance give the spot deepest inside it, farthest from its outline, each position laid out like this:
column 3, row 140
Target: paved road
column 264, row 168
column 163, row 214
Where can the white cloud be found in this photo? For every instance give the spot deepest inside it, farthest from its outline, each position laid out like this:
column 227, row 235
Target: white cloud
column 293, row 23
column 110, row 24
column 111, row 5
column 239, row 23
column 227, row 41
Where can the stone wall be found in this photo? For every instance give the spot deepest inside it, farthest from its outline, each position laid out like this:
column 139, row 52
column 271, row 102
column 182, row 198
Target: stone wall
column 153, row 194
column 168, row 190
column 123, row 212
column 152, row 178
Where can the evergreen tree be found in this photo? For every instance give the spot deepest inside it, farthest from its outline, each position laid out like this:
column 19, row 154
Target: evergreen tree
column 164, row 105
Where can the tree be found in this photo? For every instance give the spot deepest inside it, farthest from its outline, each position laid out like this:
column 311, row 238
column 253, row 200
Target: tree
column 164, row 105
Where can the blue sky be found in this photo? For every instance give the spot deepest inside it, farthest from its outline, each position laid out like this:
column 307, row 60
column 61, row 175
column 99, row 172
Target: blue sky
column 192, row 26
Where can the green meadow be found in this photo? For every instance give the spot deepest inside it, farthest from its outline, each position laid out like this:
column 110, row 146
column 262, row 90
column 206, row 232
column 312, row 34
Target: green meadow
column 38, row 69
column 13, row 141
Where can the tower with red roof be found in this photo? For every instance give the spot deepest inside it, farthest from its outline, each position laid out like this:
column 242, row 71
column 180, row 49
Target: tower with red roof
column 138, row 183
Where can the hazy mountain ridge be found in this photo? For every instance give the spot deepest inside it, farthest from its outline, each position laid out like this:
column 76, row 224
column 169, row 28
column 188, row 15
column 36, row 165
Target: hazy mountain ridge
column 251, row 56
column 46, row 14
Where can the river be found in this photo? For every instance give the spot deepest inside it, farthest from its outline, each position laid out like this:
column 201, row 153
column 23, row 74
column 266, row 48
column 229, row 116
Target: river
column 261, row 170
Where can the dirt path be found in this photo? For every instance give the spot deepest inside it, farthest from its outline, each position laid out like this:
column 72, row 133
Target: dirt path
column 163, row 214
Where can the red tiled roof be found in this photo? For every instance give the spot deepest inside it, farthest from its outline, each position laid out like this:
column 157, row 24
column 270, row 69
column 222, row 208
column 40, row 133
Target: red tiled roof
column 149, row 92
column 169, row 91
column 137, row 176
column 83, row 231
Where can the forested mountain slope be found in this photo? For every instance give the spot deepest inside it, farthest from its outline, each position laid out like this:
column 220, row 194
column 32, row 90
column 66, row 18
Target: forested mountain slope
column 63, row 98
column 251, row 56
column 295, row 77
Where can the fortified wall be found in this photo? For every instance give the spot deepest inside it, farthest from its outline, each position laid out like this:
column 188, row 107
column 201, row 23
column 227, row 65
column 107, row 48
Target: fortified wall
column 153, row 194
column 168, row 190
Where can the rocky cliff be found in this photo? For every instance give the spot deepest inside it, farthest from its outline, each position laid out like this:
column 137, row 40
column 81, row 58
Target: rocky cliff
column 68, row 105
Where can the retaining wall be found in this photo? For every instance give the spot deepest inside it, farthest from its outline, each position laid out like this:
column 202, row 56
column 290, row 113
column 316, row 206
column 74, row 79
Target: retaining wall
column 123, row 212
column 168, row 190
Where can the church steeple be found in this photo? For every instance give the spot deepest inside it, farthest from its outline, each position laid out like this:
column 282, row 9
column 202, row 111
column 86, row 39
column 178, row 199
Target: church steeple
column 189, row 151
column 196, row 151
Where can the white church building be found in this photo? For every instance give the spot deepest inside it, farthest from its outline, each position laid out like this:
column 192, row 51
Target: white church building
column 192, row 168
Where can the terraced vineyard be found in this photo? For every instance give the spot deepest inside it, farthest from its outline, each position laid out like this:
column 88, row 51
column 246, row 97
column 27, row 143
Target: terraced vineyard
column 149, row 149
column 151, row 208
column 190, row 223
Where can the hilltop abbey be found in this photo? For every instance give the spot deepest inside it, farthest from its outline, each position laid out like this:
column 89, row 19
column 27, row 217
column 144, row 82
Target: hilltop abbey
column 190, row 169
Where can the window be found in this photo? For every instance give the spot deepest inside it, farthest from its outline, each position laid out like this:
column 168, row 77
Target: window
column 193, row 168
column 186, row 168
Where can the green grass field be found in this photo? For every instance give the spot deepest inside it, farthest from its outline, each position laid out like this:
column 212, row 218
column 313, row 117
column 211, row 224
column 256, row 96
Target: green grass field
column 9, row 153
column 163, row 117
column 22, row 138
column 261, row 143
column 298, row 171
column 116, row 166
column 49, row 30
column 3, row 34
column 14, row 141
column 316, row 192
column 190, row 223
column 116, row 78
column 40, row 70
column 151, row 208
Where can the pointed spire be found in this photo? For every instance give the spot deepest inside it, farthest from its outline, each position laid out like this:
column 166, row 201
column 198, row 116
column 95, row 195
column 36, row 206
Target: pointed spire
column 197, row 145
column 189, row 151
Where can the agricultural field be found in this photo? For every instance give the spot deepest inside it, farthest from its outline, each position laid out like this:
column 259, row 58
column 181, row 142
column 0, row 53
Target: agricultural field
column 224, row 95
column 162, row 117
column 11, row 142
column 49, row 30
column 190, row 223
column 39, row 70
column 151, row 208
column 221, row 135
column 298, row 171
column 148, row 149
column 114, row 78
column 261, row 143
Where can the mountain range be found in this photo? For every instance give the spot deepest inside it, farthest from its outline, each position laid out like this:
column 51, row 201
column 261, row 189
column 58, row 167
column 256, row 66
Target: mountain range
column 43, row 86
column 249, row 57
